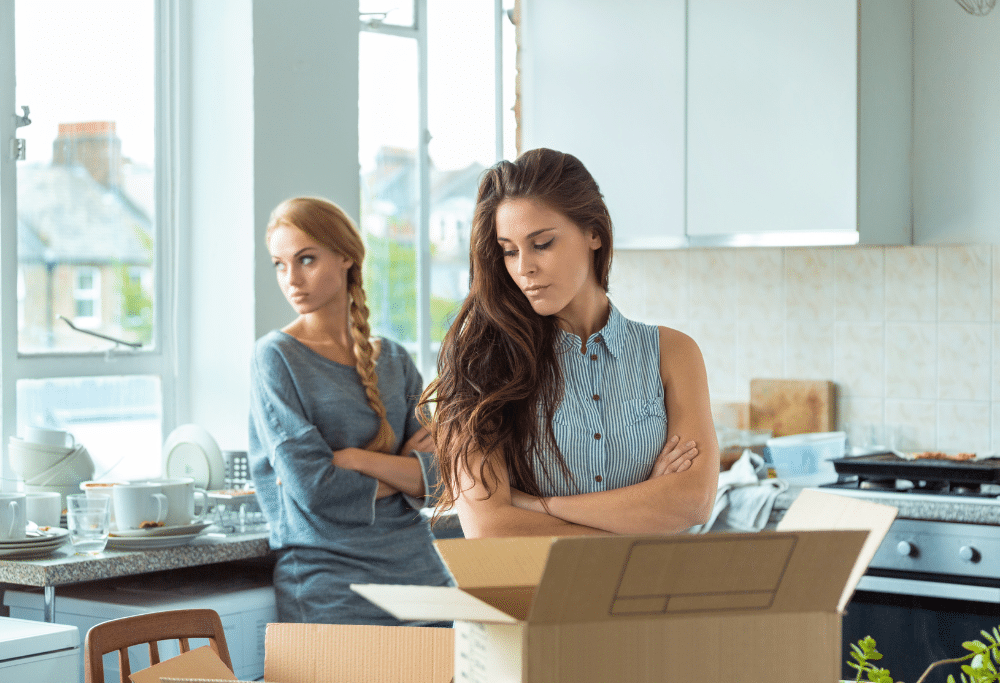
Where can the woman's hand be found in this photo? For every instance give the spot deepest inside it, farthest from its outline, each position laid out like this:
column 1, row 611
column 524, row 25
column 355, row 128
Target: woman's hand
column 351, row 459
column 420, row 441
column 674, row 457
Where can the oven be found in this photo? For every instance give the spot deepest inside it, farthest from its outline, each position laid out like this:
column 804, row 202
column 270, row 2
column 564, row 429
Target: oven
column 935, row 581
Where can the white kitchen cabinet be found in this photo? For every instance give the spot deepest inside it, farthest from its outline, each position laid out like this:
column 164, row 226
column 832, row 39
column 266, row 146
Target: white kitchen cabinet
column 799, row 122
column 604, row 81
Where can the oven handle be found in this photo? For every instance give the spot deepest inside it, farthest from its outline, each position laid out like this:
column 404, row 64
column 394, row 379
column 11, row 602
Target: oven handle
column 929, row 589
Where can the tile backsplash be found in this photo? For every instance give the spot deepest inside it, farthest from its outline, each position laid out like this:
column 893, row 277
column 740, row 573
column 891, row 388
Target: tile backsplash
column 911, row 335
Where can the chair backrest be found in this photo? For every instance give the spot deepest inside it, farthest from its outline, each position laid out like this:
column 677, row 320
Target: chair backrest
column 120, row 634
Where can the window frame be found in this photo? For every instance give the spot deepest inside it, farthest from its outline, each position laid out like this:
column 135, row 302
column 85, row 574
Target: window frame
column 426, row 350
column 161, row 358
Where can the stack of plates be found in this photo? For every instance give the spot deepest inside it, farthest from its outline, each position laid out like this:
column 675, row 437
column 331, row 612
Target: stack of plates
column 157, row 537
column 41, row 545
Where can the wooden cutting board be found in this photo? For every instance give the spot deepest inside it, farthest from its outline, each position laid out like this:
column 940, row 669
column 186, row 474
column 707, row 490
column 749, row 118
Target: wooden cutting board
column 792, row 406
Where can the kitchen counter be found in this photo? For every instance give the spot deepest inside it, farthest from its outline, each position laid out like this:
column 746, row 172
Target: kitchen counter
column 64, row 567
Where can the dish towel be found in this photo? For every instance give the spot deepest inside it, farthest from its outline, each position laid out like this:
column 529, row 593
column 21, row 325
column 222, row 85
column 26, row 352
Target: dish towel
column 745, row 497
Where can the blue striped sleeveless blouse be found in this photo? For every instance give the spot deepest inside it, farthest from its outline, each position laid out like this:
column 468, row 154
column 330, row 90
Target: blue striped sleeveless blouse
column 611, row 423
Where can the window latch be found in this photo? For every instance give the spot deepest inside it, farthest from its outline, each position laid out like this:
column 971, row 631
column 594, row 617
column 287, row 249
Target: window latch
column 20, row 121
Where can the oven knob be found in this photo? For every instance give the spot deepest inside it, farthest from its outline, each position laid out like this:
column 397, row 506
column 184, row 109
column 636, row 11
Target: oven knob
column 968, row 553
column 906, row 549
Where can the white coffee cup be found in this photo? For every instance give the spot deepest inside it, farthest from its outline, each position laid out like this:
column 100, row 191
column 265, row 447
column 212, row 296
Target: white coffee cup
column 49, row 437
column 138, row 502
column 13, row 516
column 44, row 508
column 181, row 493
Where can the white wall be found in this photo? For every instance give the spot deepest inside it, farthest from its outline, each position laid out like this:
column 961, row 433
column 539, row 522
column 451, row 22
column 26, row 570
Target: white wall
column 273, row 114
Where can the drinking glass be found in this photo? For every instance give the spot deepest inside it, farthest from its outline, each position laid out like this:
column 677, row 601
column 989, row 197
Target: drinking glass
column 89, row 522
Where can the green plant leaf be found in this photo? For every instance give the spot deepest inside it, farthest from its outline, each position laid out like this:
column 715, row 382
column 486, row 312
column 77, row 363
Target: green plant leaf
column 976, row 646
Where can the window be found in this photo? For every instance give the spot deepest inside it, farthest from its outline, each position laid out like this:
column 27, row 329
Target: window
column 87, row 297
column 435, row 110
column 83, row 209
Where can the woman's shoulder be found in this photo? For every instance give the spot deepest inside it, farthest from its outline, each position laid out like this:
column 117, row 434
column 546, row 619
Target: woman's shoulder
column 677, row 349
column 273, row 343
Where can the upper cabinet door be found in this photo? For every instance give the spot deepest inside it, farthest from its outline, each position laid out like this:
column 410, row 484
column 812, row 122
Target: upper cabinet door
column 604, row 81
column 798, row 125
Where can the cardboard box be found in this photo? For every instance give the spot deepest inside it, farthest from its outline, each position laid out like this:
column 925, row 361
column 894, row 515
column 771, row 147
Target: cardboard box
column 201, row 661
column 323, row 653
column 645, row 609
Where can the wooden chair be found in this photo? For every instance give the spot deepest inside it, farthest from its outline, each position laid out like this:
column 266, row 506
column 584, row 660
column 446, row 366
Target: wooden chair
column 120, row 634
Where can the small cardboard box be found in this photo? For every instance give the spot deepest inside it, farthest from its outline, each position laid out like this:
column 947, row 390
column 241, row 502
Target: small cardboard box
column 325, row 653
column 719, row 607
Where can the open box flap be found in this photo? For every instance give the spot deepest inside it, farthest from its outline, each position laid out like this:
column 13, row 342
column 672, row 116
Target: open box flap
column 819, row 510
column 431, row 603
column 645, row 577
column 495, row 562
column 345, row 654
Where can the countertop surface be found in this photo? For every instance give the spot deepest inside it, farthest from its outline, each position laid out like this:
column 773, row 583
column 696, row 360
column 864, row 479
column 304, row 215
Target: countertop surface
column 64, row 567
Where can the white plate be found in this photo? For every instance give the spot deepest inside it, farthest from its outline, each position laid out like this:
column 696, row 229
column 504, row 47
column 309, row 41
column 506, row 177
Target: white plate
column 180, row 530
column 190, row 451
column 150, row 542
column 53, row 535
column 29, row 553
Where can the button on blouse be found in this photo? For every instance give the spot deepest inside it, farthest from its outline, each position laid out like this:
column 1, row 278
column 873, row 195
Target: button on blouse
column 611, row 423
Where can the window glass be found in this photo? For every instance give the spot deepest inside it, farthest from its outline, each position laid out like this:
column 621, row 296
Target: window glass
column 462, row 121
column 85, row 191
column 117, row 419
column 387, row 137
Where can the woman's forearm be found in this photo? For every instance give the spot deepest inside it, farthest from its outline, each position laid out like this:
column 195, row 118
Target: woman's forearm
column 509, row 520
column 399, row 472
column 660, row 505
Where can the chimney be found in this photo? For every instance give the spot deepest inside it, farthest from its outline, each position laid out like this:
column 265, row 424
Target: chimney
column 94, row 145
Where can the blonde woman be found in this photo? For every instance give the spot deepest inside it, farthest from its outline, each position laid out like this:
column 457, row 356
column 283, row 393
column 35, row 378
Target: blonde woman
column 339, row 460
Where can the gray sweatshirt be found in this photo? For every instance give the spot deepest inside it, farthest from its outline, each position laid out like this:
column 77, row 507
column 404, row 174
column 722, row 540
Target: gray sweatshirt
column 327, row 526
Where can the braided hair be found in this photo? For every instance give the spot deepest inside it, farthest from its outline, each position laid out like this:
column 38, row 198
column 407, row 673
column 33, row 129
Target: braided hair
column 327, row 223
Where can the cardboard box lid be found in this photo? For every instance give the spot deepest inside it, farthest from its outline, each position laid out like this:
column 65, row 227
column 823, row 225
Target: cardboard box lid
column 814, row 567
column 201, row 662
column 817, row 509
column 496, row 577
column 337, row 653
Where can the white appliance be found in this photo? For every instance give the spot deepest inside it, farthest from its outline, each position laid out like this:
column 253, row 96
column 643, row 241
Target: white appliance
column 244, row 601
column 38, row 652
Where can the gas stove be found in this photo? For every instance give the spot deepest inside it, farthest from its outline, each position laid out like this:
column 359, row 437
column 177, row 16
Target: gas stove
column 945, row 541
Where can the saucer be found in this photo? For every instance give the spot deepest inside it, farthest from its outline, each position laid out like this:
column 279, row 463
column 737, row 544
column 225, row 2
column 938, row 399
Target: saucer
column 179, row 530
column 150, row 542
column 52, row 535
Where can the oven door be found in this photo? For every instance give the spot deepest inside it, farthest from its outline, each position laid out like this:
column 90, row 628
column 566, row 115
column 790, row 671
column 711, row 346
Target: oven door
column 917, row 619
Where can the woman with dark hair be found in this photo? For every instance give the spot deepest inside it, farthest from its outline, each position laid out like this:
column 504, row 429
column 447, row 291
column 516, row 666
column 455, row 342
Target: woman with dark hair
column 554, row 413
column 339, row 460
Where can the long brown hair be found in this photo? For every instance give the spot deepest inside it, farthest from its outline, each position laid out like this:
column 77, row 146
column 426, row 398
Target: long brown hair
column 497, row 369
column 327, row 223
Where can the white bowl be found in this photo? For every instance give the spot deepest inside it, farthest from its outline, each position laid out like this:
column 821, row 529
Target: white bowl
column 28, row 460
column 75, row 468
